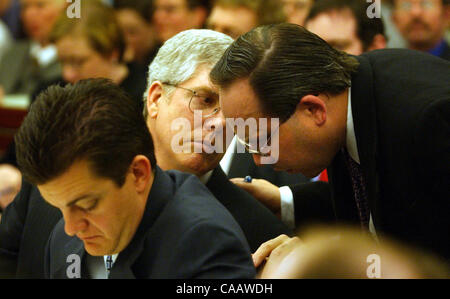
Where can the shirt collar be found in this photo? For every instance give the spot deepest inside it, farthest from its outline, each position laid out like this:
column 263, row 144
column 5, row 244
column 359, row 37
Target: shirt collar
column 205, row 178
column 351, row 143
column 44, row 55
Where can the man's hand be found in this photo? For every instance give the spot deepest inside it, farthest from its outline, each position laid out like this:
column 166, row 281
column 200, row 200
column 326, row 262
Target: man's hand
column 281, row 255
column 10, row 183
column 264, row 191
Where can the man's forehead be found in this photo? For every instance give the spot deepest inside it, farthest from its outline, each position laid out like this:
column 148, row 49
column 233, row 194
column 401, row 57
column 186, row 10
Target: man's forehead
column 240, row 101
column 200, row 80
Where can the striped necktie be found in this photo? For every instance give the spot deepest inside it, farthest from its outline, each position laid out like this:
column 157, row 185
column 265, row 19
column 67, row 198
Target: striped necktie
column 359, row 189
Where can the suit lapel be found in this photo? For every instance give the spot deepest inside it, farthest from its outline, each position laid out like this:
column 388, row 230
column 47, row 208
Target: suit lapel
column 216, row 184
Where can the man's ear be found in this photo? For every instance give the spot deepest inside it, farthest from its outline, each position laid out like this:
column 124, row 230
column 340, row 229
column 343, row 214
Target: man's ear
column 154, row 96
column 313, row 107
column 378, row 42
column 141, row 171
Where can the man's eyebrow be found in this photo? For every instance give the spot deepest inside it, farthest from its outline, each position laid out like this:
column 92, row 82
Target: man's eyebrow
column 86, row 196
column 206, row 89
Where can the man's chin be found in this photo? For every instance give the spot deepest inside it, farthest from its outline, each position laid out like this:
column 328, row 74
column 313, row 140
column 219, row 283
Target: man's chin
column 200, row 164
column 95, row 249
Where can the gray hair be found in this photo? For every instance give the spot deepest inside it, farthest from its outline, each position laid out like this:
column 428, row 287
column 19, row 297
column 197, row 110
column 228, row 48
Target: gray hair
column 180, row 56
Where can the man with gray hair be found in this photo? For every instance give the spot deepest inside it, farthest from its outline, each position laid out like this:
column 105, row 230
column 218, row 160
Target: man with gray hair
column 180, row 95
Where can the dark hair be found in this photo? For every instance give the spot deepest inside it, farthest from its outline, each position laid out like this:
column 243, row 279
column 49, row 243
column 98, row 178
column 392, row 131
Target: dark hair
column 144, row 8
column 93, row 120
column 283, row 63
column 366, row 28
column 197, row 3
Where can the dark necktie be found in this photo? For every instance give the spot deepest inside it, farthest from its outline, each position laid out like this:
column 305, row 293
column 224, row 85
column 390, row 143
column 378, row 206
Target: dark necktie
column 359, row 189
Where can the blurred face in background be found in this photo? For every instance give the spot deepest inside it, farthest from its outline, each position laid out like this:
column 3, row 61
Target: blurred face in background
column 173, row 16
column 80, row 61
column 297, row 10
column 138, row 32
column 337, row 28
column 38, row 17
column 421, row 22
column 232, row 21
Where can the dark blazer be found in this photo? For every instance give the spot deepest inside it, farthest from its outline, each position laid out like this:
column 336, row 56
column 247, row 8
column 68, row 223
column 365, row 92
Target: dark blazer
column 401, row 113
column 24, row 230
column 258, row 223
column 184, row 233
column 20, row 74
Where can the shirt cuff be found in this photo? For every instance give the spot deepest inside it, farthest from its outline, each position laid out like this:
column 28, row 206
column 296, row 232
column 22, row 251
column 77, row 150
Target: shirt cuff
column 287, row 207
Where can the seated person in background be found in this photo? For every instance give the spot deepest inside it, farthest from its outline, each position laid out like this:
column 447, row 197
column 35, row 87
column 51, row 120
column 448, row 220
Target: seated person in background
column 25, row 65
column 344, row 253
column 179, row 85
column 10, row 15
column 31, row 61
column 135, row 19
column 93, row 47
column 297, row 10
column 236, row 17
column 173, row 16
column 422, row 24
column 344, row 25
column 87, row 47
column 88, row 150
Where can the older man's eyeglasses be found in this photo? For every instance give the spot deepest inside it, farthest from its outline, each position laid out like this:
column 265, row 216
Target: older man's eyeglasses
column 209, row 105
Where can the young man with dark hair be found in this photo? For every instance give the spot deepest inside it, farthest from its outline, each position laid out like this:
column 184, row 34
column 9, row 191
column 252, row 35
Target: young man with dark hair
column 379, row 123
column 87, row 148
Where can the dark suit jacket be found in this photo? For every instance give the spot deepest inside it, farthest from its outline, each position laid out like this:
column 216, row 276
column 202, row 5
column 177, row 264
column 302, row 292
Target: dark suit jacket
column 401, row 113
column 24, row 230
column 20, row 74
column 258, row 223
column 184, row 233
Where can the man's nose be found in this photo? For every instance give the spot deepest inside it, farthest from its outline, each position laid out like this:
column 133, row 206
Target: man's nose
column 416, row 9
column 74, row 222
column 216, row 122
